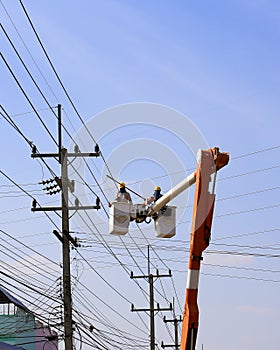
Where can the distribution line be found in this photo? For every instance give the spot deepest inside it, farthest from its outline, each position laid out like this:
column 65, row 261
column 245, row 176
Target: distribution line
column 108, row 248
column 28, row 194
column 106, row 282
column 110, row 307
column 13, row 124
column 131, row 255
column 101, row 319
column 60, row 81
column 227, row 267
column 45, row 99
column 243, row 268
column 28, row 99
column 46, row 273
column 29, row 247
column 13, row 270
column 39, row 316
column 34, row 61
column 52, row 298
column 127, row 270
column 33, row 80
column 41, row 93
column 241, row 277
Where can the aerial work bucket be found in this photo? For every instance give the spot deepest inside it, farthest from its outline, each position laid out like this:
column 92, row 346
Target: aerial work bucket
column 165, row 223
column 119, row 218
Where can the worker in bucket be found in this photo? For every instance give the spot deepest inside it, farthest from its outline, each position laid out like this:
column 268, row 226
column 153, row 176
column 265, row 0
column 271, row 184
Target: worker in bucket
column 122, row 195
column 157, row 194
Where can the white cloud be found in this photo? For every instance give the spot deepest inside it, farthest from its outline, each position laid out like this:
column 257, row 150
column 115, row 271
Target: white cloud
column 255, row 309
column 229, row 260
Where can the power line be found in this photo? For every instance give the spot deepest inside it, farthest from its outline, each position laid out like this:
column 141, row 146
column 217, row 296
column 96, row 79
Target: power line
column 30, row 143
column 272, row 148
column 60, row 82
column 28, row 194
column 28, row 99
column 250, row 172
column 28, row 247
column 33, row 80
column 242, row 268
column 243, row 253
column 241, row 277
column 34, row 61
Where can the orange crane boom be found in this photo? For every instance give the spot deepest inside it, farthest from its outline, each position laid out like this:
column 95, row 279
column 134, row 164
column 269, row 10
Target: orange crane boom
column 209, row 162
column 121, row 214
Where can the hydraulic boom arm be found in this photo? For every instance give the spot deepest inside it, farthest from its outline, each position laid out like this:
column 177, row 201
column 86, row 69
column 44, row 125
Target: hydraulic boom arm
column 209, row 163
column 121, row 215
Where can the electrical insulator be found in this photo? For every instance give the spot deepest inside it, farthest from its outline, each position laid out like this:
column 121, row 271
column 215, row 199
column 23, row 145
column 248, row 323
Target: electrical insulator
column 54, row 192
column 48, row 188
column 77, row 202
column 76, row 149
column 71, row 186
column 96, row 148
column 58, row 181
column 97, row 201
column 44, row 182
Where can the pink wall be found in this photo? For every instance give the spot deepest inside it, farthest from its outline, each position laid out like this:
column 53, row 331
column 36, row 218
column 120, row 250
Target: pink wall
column 41, row 342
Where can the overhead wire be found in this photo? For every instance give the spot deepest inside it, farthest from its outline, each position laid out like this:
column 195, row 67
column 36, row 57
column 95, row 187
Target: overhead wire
column 60, row 81
column 110, row 307
column 28, row 194
column 20, row 187
column 29, row 247
column 33, row 80
column 107, row 323
column 241, row 277
column 41, row 93
column 45, row 99
column 30, row 143
column 242, row 268
column 26, row 292
column 28, row 99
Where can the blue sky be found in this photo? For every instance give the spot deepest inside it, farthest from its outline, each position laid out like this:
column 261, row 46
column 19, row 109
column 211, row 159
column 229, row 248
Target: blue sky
column 216, row 65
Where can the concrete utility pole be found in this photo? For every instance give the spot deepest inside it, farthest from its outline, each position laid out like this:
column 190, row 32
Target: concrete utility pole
column 152, row 308
column 63, row 184
column 176, row 322
column 68, row 326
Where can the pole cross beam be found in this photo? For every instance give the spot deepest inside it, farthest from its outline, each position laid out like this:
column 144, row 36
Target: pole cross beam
column 85, row 207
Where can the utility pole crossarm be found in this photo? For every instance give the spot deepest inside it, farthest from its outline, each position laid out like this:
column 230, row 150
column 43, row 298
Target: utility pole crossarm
column 154, row 276
column 69, row 155
column 85, row 207
column 158, row 308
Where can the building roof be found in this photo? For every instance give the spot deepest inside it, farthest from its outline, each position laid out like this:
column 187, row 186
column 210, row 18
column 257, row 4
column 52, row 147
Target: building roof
column 6, row 346
column 6, row 298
